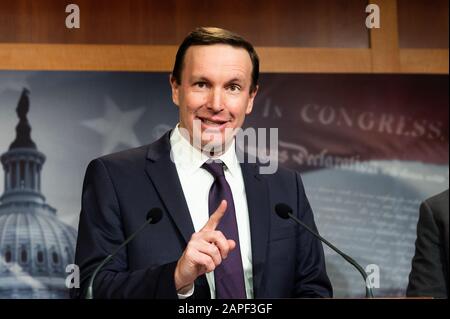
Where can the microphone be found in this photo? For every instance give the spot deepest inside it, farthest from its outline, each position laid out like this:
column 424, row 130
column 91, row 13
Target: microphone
column 285, row 212
column 153, row 216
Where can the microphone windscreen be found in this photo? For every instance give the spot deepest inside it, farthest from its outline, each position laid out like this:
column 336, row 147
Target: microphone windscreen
column 155, row 214
column 283, row 210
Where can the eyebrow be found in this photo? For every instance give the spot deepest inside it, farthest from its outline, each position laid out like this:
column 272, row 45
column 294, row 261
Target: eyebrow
column 236, row 80
column 199, row 78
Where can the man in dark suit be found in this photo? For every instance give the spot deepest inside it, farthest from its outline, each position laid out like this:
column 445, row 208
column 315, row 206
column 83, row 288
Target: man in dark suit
column 429, row 273
column 219, row 236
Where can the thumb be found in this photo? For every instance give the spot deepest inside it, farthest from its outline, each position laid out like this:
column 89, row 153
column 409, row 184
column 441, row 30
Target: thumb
column 232, row 244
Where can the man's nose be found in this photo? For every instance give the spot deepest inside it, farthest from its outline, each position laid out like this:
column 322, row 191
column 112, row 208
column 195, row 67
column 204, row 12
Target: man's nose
column 216, row 100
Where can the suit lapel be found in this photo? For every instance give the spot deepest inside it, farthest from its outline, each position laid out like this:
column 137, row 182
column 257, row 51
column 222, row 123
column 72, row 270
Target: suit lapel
column 259, row 215
column 162, row 172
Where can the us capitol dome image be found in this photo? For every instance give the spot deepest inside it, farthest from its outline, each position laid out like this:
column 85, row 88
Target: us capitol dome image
column 35, row 246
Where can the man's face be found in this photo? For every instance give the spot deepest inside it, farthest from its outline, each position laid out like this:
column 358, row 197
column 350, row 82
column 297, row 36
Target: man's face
column 214, row 93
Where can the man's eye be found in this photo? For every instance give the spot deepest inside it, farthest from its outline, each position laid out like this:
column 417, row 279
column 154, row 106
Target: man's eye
column 234, row 88
column 201, row 85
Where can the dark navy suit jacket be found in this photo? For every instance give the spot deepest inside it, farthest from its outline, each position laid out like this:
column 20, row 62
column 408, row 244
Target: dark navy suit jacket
column 120, row 189
column 429, row 275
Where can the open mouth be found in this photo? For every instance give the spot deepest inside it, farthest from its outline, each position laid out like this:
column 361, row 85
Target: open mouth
column 216, row 123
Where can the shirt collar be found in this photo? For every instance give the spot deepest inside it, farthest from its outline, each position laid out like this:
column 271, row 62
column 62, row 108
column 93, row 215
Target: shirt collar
column 191, row 159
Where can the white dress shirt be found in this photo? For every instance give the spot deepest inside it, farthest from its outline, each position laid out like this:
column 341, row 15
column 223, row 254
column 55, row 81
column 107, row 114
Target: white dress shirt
column 196, row 183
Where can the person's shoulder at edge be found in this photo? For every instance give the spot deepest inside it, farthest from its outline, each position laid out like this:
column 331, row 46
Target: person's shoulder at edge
column 437, row 206
column 438, row 200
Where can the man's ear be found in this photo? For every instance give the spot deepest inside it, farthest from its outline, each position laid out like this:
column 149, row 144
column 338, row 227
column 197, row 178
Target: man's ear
column 175, row 90
column 251, row 100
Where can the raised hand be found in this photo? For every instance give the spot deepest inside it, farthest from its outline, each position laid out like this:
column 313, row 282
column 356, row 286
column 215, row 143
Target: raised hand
column 204, row 252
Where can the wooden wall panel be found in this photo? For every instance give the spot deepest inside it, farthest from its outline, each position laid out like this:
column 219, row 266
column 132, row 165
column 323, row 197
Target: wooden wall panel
column 161, row 58
column 424, row 61
column 423, row 23
column 325, row 36
column 384, row 40
column 298, row 23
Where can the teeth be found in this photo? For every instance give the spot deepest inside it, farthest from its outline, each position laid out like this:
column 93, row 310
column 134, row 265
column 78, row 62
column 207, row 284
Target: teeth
column 211, row 123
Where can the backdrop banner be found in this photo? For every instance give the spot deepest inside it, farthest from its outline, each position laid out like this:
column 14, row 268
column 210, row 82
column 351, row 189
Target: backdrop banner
column 370, row 148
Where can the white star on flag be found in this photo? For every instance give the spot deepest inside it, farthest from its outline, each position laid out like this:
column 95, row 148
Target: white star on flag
column 116, row 126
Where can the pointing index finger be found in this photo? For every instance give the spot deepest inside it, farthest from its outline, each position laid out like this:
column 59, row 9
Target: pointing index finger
column 215, row 218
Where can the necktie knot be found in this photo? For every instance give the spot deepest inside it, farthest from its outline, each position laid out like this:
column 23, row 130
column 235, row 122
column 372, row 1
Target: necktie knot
column 214, row 168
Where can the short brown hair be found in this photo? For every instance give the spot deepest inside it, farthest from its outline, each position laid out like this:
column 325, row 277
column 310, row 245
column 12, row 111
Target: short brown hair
column 210, row 36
